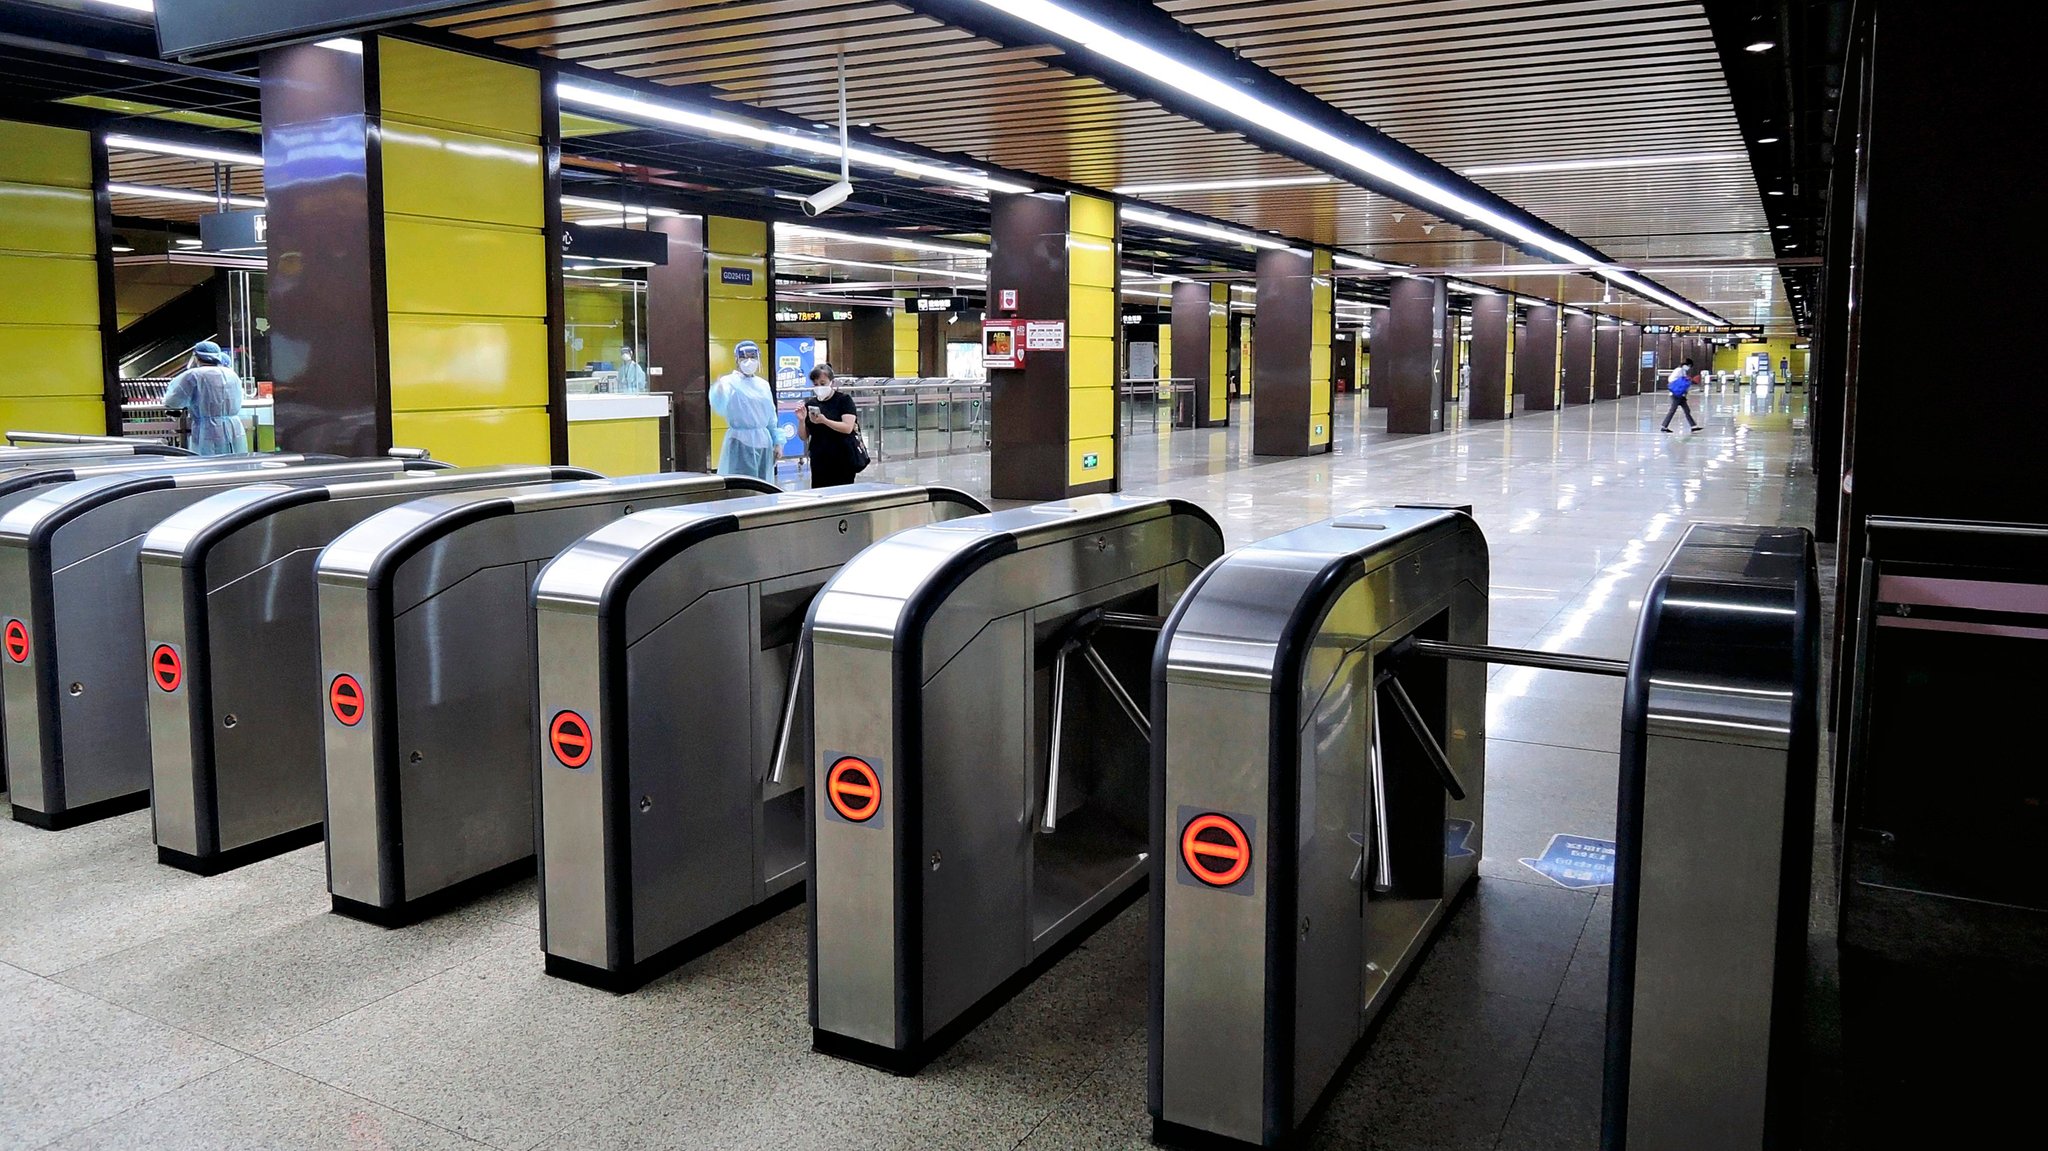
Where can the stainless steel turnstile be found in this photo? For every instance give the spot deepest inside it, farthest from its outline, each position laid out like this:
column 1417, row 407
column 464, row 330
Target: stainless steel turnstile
column 75, row 690
column 33, row 440
column 677, row 747
column 77, row 454
column 427, row 674
column 1306, row 764
column 966, row 830
column 1714, row 844
column 232, row 655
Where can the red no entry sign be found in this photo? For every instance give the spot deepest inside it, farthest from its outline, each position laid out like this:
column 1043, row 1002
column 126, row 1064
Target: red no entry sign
column 17, row 641
column 1216, row 849
column 853, row 789
column 569, row 738
column 166, row 668
column 345, row 699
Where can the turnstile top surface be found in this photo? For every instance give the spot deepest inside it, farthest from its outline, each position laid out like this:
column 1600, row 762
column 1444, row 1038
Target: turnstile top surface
column 45, row 473
column 187, row 535
column 883, row 590
column 618, row 554
column 1725, row 627
column 1251, row 613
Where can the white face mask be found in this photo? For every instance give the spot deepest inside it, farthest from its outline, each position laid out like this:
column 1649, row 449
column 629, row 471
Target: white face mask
column 749, row 367
column 822, row 390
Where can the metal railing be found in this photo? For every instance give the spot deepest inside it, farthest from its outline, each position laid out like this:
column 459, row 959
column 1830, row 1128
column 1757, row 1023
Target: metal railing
column 1148, row 406
column 904, row 418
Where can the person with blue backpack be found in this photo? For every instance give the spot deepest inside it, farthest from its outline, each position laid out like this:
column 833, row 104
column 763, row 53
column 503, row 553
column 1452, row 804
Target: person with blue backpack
column 1680, row 384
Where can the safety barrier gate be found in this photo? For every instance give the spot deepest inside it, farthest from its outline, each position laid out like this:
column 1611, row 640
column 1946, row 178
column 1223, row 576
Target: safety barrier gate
column 32, row 441
column 965, row 830
column 76, row 704
column 426, row 657
column 232, row 657
column 1306, row 764
column 673, row 761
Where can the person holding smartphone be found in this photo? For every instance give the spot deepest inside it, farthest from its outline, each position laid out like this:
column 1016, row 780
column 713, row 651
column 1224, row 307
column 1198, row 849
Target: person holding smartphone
column 827, row 429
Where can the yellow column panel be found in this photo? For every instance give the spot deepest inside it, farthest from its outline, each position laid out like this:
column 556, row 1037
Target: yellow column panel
column 42, row 155
column 1322, row 321
column 49, row 281
column 439, row 86
column 441, row 268
column 475, row 437
column 438, row 173
column 1094, row 322
column 1219, row 349
column 52, row 221
column 1165, row 351
column 52, row 360
column 736, row 300
column 616, row 447
column 453, row 362
column 906, row 347
column 1092, row 460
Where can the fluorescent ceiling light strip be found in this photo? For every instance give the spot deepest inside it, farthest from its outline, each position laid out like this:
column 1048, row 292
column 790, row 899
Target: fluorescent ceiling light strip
column 1469, row 289
column 130, row 5
column 730, row 126
column 180, row 195
column 615, row 206
column 1223, row 185
column 907, row 245
column 1606, row 163
column 1206, row 231
column 790, row 258
column 193, row 151
column 1233, row 100
column 342, row 44
column 1132, row 275
column 1347, row 260
column 1142, row 292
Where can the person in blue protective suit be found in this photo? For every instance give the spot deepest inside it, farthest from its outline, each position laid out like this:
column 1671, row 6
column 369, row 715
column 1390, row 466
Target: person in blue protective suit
column 210, row 392
column 747, row 403
column 632, row 377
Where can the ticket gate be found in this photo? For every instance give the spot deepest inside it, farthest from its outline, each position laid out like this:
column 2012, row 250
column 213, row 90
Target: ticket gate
column 673, row 769
column 1306, row 762
column 232, row 650
column 965, row 830
column 76, row 704
column 1714, row 848
column 13, row 458
column 33, row 440
column 427, row 656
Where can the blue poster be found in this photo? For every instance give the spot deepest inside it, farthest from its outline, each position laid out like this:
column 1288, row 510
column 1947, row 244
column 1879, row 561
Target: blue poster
column 795, row 356
column 1456, row 832
column 1575, row 861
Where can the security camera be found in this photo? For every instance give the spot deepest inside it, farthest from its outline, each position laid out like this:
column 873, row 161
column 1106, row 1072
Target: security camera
column 828, row 199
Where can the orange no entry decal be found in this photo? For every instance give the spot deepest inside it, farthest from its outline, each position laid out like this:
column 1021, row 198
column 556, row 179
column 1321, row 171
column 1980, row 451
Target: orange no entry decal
column 569, row 738
column 345, row 699
column 1216, row 849
column 854, row 789
column 166, row 668
column 17, row 641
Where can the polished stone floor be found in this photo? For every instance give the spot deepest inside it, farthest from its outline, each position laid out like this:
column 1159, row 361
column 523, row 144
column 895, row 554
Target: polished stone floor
column 144, row 1007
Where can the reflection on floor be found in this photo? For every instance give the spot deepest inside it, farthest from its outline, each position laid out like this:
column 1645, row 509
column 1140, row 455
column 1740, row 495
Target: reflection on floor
column 141, row 1006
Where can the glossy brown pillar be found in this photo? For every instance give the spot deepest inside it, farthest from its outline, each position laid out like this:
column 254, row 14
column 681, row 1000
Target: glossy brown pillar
column 1491, row 400
column 1536, row 359
column 1201, row 350
column 1409, row 355
column 1291, row 365
column 1631, row 359
column 1607, row 362
column 1575, row 359
column 678, row 339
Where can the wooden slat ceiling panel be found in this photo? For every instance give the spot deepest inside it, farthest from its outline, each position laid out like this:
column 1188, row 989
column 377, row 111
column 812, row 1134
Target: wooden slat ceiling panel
column 148, row 168
column 1471, row 83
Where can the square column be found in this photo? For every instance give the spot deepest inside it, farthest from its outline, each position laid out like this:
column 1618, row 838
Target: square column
column 1536, row 359
column 415, row 288
column 1201, row 350
column 1492, row 398
column 1409, row 354
column 56, row 282
column 1607, row 361
column 1296, row 315
column 1055, row 419
column 1631, row 359
column 1575, row 360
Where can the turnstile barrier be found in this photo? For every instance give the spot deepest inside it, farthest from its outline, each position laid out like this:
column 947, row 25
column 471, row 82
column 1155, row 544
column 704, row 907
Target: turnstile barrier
column 232, row 656
column 30, row 440
column 677, row 743
column 76, row 703
column 1714, row 846
column 1307, row 763
column 937, row 886
column 427, row 677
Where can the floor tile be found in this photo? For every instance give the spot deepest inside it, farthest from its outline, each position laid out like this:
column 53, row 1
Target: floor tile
column 1558, row 1105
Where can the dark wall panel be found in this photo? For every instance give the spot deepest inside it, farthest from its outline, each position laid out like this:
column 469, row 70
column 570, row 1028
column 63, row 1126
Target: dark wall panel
column 1607, row 362
column 1280, row 361
column 677, row 340
column 1490, row 319
column 1409, row 360
column 1536, row 360
column 1575, row 360
column 1028, row 252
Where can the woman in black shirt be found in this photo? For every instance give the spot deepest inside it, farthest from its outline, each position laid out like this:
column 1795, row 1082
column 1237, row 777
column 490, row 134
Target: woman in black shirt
column 827, row 429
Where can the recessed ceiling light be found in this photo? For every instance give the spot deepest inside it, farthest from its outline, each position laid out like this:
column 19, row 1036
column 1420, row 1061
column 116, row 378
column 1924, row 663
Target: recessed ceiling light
column 1766, row 139
column 1774, row 192
column 1222, row 185
column 1762, row 46
column 1791, row 245
column 1783, row 227
column 173, row 148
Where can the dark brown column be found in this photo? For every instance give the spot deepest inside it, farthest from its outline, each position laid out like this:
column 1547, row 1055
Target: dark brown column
column 1290, row 390
column 1631, row 359
column 1027, row 251
column 1607, row 361
column 1409, row 342
column 1536, row 359
column 1490, row 398
column 1575, row 359
column 870, row 348
column 326, row 242
column 1200, row 352
column 678, row 340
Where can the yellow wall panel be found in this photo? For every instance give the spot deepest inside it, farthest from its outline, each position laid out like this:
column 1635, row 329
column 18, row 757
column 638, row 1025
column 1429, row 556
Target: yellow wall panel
column 439, row 362
column 1091, row 312
column 35, row 218
column 52, row 361
column 1103, row 448
column 906, row 346
column 49, row 290
column 439, row 86
column 729, row 235
column 1091, row 362
column 1091, row 262
column 461, row 176
column 1165, row 351
column 450, row 269
column 85, row 417
column 1091, row 216
column 39, row 154
column 474, row 438
column 1091, row 412
column 616, row 447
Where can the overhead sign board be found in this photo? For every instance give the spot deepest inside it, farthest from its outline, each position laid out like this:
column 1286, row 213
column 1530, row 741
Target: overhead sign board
column 613, row 245
column 189, row 29
column 246, row 231
column 940, row 304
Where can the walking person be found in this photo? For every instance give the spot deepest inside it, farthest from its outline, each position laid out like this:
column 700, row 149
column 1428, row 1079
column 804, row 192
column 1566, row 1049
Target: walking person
column 1680, row 384
column 211, row 394
column 827, row 429
column 747, row 404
